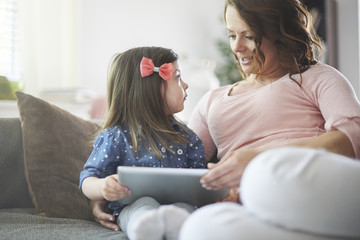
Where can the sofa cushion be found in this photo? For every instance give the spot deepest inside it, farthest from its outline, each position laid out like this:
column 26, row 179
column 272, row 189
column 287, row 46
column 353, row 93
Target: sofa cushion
column 56, row 146
column 13, row 185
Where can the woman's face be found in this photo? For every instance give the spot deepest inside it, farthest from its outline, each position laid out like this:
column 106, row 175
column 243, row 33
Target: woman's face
column 243, row 45
column 175, row 94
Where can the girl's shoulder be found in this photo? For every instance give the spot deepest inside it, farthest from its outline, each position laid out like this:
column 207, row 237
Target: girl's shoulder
column 185, row 130
column 113, row 132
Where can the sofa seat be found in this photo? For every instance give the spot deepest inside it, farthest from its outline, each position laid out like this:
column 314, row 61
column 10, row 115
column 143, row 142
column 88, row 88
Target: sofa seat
column 22, row 223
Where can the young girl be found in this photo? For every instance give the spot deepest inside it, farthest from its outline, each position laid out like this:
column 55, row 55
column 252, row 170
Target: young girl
column 145, row 89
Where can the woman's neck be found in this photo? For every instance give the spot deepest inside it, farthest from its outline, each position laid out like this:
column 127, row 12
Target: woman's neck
column 267, row 78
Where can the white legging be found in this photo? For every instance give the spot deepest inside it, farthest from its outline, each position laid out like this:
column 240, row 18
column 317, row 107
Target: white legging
column 133, row 211
column 287, row 193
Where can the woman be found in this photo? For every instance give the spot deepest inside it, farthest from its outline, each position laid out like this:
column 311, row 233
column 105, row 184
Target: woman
column 287, row 97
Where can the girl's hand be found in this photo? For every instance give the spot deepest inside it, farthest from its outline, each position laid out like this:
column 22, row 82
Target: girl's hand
column 112, row 190
column 228, row 171
column 106, row 220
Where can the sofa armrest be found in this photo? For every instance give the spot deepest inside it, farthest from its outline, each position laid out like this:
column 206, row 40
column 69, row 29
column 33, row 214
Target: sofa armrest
column 13, row 185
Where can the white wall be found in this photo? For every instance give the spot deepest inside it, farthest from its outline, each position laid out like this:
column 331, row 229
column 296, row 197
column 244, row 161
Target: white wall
column 49, row 42
column 348, row 40
column 69, row 43
column 189, row 27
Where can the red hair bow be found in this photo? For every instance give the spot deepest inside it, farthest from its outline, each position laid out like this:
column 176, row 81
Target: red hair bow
column 147, row 68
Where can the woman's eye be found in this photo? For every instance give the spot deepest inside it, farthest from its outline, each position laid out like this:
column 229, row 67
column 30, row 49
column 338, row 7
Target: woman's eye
column 249, row 37
column 231, row 36
column 178, row 77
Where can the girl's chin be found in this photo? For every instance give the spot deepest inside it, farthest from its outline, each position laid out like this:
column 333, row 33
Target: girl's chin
column 177, row 110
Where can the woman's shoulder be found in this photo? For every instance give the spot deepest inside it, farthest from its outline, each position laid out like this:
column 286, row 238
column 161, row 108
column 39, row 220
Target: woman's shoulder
column 324, row 70
column 322, row 74
column 320, row 78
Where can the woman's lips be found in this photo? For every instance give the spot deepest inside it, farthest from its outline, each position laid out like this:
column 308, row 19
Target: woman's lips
column 246, row 60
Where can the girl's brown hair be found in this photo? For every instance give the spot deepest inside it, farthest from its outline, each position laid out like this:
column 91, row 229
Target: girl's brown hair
column 286, row 22
column 137, row 102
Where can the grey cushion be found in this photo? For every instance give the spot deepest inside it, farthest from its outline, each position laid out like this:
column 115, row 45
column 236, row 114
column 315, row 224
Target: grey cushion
column 14, row 189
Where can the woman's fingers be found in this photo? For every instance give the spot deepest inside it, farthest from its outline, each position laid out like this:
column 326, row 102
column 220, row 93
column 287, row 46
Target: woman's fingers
column 218, row 177
column 227, row 173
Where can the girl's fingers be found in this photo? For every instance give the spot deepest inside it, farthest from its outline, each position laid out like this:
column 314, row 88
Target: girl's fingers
column 108, row 225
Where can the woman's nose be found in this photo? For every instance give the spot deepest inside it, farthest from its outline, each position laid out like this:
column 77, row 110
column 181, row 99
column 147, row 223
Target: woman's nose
column 238, row 46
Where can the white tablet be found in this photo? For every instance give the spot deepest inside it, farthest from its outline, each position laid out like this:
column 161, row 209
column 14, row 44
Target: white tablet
column 168, row 185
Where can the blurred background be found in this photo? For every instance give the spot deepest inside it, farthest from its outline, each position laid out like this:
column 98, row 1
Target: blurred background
column 60, row 50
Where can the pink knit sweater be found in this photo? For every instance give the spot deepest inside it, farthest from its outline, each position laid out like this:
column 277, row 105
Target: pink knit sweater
column 279, row 113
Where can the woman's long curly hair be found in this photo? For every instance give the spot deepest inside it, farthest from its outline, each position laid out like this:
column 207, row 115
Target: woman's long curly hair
column 285, row 22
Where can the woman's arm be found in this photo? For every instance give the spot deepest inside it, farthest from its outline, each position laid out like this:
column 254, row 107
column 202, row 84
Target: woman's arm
column 333, row 141
column 227, row 173
column 104, row 188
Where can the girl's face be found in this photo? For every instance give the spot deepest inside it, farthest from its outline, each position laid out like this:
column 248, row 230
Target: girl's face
column 175, row 94
column 243, row 45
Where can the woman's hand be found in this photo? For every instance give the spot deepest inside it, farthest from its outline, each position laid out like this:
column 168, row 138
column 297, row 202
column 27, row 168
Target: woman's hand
column 233, row 196
column 228, row 171
column 101, row 216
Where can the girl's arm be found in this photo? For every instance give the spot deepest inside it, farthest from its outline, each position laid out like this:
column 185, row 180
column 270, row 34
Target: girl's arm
column 104, row 188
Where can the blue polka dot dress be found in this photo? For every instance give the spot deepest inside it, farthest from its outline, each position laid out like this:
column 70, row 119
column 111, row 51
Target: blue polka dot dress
column 113, row 148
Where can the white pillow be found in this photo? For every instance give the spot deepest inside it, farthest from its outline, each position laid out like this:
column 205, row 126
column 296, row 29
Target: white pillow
column 304, row 189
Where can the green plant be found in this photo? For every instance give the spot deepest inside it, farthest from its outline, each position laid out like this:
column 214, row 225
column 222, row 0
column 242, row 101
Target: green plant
column 8, row 88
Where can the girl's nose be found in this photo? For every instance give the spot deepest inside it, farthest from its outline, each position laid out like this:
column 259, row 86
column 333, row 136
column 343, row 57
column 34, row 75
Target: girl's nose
column 185, row 85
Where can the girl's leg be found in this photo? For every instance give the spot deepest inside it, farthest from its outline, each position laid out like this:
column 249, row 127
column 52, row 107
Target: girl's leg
column 174, row 216
column 185, row 206
column 145, row 219
column 136, row 221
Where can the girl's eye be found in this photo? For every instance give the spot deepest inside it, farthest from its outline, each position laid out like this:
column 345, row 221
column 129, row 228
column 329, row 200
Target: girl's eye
column 178, row 77
column 249, row 37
